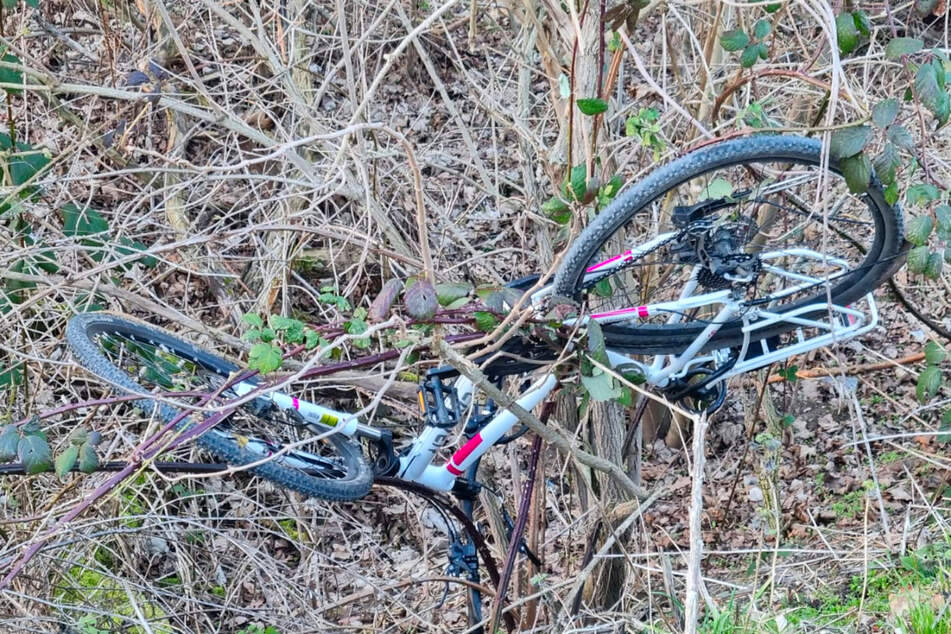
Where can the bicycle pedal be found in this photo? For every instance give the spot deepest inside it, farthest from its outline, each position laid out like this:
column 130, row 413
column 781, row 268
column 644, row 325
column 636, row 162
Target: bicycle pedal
column 438, row 402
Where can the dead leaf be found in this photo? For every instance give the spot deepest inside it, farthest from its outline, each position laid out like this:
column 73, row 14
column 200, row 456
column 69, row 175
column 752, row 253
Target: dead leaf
column 899, row 494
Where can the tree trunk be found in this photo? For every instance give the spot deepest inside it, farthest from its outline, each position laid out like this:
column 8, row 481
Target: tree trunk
column 604, row 589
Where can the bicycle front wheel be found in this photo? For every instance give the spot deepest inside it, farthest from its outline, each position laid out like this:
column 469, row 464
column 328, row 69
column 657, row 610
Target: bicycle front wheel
column 302, row 456
column 756, row 214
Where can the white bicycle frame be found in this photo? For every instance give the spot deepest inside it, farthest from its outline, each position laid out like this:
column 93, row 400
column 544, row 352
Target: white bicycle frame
column 836, row 324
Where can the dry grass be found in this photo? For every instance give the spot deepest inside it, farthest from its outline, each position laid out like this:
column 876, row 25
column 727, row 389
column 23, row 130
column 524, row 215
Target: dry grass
column 260, row 160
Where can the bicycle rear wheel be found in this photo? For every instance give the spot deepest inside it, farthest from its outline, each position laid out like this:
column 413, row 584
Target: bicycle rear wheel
column 135, row 357
column 758, row 207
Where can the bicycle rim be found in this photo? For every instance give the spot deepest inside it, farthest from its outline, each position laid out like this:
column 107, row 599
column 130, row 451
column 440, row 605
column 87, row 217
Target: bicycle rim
column 307, row 457
column 797, row 225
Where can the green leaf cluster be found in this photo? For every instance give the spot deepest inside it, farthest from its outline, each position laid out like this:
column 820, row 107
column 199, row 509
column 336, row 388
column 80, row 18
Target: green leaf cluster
column 328, row 295
column 357, row 325
column 21, row 165
column 578, row 188
column 851, row 27
column 93, row 230
column 922, row 259
column 930, row 69
column 265, row 355
column 846, row 145
column 932, row 377
column 80, row 451
column 751, row 45
column 601, row 385
column 930, row 87
column 453, row 295
column 30, row 446
column 645, row 126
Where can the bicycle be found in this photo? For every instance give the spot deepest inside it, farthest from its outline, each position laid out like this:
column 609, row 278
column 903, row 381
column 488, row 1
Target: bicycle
column 751, row 252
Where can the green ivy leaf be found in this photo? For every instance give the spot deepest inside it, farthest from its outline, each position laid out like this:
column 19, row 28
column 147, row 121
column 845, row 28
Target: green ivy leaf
column 311, row 339
column 448, row 292
column 9, row 439
column 293, row 329
column 27, row 163
column 558, row 210
column 945, row 426
column 901, row 137
column 891, row 193
column 485, row 321
column 847, row 142
column 603, row 288
column 356, row 326
column 129, row 247
column 576, row 185
column 943, row 215
column 761, row 29
column 34, row 452
column 592, row 107
column 734, row 40
column 899, row 46
column 66, row 460
column 749, row 55
column 934, row 266
column 929, row 381
column 601, row 387
column 919, row 229
column 264, row 358
column 922, row 194
column 934, row 353
column 253, row 320
column 9, row 75
column 596, row 343
column 857, row 172
column 926, row 85
column 88, row 459
column 716, row 189
column 846, row 33
column 918, row 259
column 82, row 222
column 11, row 376
column 862, row 22
column 886, row 164
column 884, row 112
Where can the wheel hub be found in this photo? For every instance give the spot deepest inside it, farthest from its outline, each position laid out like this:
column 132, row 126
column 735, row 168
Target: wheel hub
column 716, row 244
